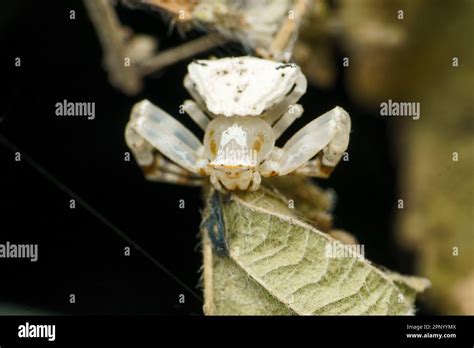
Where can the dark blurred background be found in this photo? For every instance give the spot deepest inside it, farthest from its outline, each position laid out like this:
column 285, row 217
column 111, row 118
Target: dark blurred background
column 78, row 253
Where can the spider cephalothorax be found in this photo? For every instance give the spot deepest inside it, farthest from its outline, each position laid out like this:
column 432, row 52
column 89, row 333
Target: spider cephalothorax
column 243, row 105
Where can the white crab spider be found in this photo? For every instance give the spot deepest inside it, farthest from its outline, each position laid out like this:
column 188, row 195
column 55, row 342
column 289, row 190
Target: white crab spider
column 243, row 105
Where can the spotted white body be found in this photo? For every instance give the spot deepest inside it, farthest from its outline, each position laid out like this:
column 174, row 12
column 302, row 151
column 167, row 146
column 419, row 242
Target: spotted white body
column 243, row 104
column 242, row 87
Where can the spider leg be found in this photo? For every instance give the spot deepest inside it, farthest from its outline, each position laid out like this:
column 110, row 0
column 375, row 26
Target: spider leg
column 328, row 133
column 314, row 168
column 155, row 167
column 287, row 119
column 276, row 111
column 190, row 86
column 156, row 173
column 163, row 170
column 151, row 127
column 197, row 115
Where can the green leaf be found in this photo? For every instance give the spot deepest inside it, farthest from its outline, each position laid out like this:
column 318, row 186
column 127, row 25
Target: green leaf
column 278, row 265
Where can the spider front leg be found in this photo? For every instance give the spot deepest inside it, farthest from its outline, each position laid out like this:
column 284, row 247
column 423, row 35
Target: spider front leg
column 315, row 168
column 155, row 167
column 327, row 136
column 294, row 112
column 152, row 134
column 277, row 111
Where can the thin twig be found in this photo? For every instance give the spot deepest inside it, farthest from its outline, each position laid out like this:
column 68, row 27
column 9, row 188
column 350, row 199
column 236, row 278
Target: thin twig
column 181, row 52
column 48, row 176
column 282, row 44
column 112, row 37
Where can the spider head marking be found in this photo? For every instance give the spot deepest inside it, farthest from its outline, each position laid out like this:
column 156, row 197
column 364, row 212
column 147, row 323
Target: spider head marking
column 235, row 146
